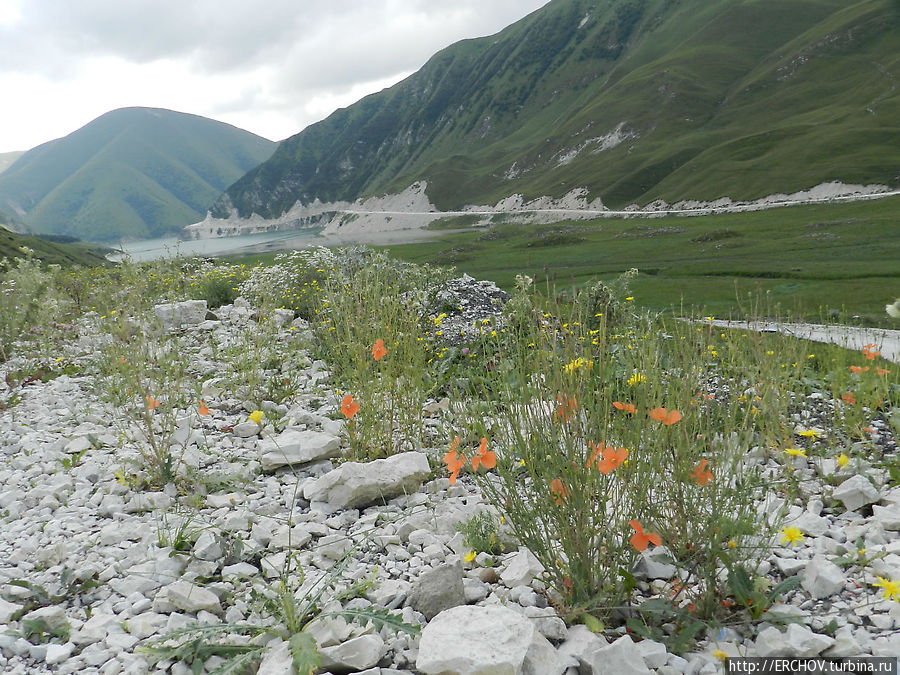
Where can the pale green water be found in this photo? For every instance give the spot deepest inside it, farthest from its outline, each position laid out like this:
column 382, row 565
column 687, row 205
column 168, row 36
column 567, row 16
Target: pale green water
column 151, row 249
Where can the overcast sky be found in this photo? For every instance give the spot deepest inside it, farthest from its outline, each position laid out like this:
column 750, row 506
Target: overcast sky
column 270, row 67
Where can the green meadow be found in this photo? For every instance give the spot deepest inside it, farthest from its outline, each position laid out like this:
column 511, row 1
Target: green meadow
column 799, row 261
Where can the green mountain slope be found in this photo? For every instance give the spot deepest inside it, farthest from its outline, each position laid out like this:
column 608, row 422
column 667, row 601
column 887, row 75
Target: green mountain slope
column 7, row 159
column 132, row 173
column 633, row 100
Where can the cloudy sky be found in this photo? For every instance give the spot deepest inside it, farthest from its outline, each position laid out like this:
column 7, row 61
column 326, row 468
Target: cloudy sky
column 270, row 67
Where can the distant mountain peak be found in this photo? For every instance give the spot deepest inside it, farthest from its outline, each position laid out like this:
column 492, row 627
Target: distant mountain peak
column 131, row 173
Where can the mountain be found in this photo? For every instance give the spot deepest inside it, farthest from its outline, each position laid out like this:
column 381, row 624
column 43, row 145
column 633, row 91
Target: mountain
column 131, row 173
column 632, row 100
column 7, row 159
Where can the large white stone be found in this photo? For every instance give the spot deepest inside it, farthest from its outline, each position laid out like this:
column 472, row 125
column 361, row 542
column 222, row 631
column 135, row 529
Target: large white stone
column 178, row 314
column 856, row 492
column 187, row 597
column 471, row 640
column 354, row 485
column 621, row 657
column 797, row 640
column 888, row 516
column 822, row 578
column 521, row 569
column 353, row 655
column 7, row 610
column 297, row 447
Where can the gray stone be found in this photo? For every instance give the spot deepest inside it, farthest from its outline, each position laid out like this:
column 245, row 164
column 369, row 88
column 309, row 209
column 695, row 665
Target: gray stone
column 655, row 563
column 521, row 569
column 547, row 622
column 297, row 447
column 277, row 660
column 187, row 597
column 207, row 546
column 583, row 646
column 438, row 589
column 621, row 657
column 7, row 610
column 475, row 590
column 542, row 658
column 654, row 653
column 888, row 516
column 470, row 640
column 822, row 578
column 797, row 640
column 54, row 617
column 354, row 485
column 180, row 314
column 353, row 655
column 246, row 429
column 856, row 492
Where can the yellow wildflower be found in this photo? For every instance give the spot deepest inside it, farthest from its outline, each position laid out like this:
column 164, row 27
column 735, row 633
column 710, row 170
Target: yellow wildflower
column 256, row 416
column 792, row 535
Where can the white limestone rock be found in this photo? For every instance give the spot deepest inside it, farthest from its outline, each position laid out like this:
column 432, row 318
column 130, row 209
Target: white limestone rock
column 297, row 447
column 8, row 610
column 521, row 569
column 469, row 640
column 353, row 655
column 797, row 640
column 187, row 597
column 856, row 492
column 355, row 485
column 181, row 314
column 621, row 657
column 822, row 578
column 655, row 563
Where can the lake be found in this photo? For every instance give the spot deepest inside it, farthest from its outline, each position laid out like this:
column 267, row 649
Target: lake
column 151, row 249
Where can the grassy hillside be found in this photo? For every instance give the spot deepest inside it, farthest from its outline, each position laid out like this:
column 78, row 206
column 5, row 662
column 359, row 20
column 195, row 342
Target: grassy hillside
column 803, row 260
column 60, row 252
column 131, row 173
column 632, row 100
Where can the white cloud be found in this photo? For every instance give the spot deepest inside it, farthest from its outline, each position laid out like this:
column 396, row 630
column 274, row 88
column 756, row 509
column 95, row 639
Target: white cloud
column 270, row 68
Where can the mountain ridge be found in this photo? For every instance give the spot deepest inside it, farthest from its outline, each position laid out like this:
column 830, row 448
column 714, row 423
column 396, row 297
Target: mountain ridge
column 131, row 173
column 632, row 102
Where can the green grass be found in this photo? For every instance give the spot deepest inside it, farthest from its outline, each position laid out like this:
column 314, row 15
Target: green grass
column 801, row 260
column 76, row 253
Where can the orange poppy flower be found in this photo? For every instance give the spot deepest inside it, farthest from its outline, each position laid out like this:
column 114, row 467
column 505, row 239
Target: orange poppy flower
column 151, row 402
column 667, row 417
column 848, row 398
column 858, row 370
column 558, row 492
column 455, row 462
column 565, row 406
column 378, row 350
column 612, row 458
column 701, row 474
column 640, row 540
column 627, row 407
column 882, row 371
column 869, row 351
column 203, row 410
column 349, row 407
column 487, row 459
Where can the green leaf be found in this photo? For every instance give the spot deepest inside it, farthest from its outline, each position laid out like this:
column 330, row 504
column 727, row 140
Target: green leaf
column 788, row 584
column 740, row 584
column 304, row 653
column 379, row 618
column 685, row 637
column 593, row 624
